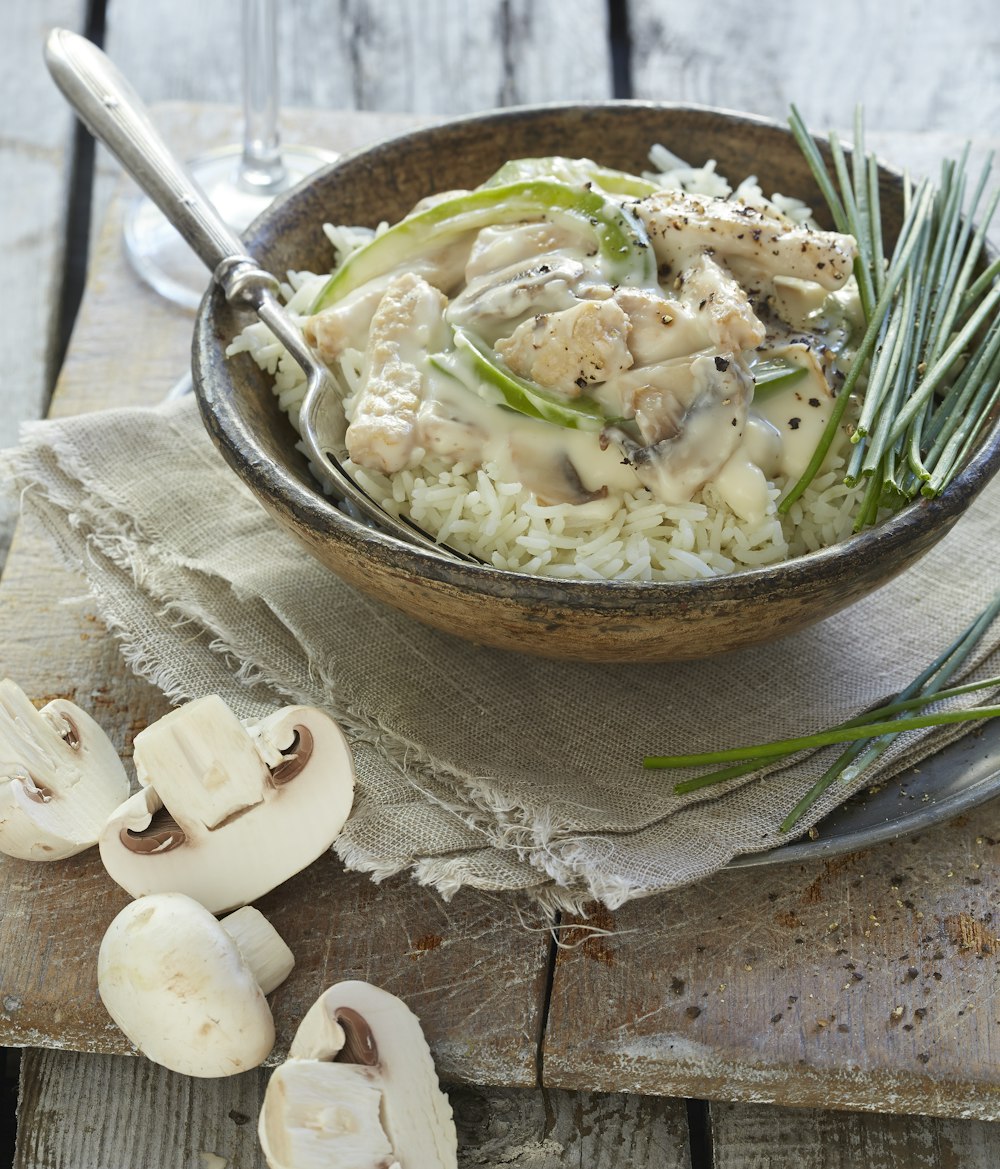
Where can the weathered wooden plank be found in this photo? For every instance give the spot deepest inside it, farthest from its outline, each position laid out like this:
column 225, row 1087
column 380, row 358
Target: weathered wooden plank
column 919, row 67
column 101, row 1112
column 864, row 982
column 421, row 56
column 459, row 965
column 754, row 1137
column 35, row 149
column 475, row 978
column 10, row 1061
column 557, row 1130
column 441, row 57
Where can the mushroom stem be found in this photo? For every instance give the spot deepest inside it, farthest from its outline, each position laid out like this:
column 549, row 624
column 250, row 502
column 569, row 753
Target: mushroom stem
column 201, row 758
column 263, row 950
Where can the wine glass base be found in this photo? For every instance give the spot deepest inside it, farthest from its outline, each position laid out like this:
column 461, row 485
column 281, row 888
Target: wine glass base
column 158, row 252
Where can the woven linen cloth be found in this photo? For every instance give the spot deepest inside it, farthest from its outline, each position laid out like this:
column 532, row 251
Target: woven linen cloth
column 475, row 766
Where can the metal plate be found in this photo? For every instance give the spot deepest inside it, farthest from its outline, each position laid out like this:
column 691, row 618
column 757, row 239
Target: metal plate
column 963, row 775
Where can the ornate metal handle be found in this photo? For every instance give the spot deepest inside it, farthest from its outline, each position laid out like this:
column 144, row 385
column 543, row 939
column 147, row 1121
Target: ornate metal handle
column 114, row 113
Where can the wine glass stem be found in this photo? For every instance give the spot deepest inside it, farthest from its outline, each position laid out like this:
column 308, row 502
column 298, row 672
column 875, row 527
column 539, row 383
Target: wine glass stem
column 261, row 169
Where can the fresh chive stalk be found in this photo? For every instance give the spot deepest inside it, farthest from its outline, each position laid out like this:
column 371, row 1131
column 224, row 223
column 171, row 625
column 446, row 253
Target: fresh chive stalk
column 928, row 318
column 875, row 213
column 907, row 244
column 823, row 738
column 869, row 735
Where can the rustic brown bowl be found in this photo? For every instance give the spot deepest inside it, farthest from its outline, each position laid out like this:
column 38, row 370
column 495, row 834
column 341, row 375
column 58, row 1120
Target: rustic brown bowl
column 584, row 620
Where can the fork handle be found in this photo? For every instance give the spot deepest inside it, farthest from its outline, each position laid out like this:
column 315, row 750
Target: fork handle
column 114, row 113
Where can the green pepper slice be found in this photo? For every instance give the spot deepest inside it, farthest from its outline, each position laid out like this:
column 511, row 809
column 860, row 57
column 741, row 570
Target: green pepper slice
column 519, row 394
column 575, row 172
column 621, row 239
column 774, row 375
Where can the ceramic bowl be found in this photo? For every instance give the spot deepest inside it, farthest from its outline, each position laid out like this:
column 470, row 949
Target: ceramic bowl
column 583, row 620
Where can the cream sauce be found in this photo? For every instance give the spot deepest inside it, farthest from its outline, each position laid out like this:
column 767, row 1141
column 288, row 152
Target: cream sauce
column 526, row 270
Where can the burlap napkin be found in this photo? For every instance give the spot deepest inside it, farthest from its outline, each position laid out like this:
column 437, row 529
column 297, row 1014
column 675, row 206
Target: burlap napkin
column 475, row 766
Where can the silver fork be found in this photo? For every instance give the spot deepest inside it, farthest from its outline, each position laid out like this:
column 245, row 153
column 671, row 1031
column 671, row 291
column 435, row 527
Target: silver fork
column 112, row 111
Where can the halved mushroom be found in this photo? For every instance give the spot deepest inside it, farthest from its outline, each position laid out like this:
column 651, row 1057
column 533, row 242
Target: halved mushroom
column 228, row 811
column 358, row 1090
column 60, row 777
column 189, row 990
column 700, row 434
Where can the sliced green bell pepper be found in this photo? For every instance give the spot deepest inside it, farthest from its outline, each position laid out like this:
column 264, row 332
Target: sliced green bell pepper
column 574, row 171
column 517, row 393
column 621, row 239
column 774, row 375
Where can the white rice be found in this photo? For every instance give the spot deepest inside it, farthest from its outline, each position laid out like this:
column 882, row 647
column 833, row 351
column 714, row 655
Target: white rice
column 629, row 535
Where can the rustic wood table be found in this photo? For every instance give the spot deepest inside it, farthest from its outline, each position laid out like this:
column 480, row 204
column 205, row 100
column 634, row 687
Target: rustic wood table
column 813, row 1014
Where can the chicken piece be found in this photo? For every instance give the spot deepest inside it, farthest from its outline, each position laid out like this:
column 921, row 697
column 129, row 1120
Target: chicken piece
column 797, row 302
column 345, row 325
column 660, row 329
column 495, row 303
column 680, row 225
column 504, row 246
column 570, row 350
column 701, row 440
column 721, row 304
column 408, row 324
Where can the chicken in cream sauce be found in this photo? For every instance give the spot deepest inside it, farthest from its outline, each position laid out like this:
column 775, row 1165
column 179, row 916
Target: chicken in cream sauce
column 586, row 333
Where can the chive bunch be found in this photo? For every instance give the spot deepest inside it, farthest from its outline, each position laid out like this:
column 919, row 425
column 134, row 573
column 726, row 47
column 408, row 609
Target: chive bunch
column 868, row 735
column 929, row 360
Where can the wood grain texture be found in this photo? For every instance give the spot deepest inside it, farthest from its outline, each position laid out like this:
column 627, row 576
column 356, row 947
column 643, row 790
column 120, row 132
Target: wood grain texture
column 632, row 1001
column 131, row 342
column 81, row 1112
column 914, row 66
column 863, row 982
column 469, row 969
column 422, row 56
column 749, row 1137
column 129, row 347
column 364, row 62
column 36, row 130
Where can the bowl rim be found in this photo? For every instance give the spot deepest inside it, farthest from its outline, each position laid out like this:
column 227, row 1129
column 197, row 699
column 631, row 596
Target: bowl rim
column 318, row 512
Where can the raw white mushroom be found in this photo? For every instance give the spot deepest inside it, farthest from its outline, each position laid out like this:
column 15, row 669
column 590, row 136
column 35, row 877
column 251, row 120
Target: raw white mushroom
column 228, row 811
column 60, row 777
column 358, row 1090
column 188, row 990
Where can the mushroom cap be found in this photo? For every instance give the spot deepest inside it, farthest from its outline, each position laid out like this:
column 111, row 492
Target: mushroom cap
column 154, row 842
column 176, row 983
